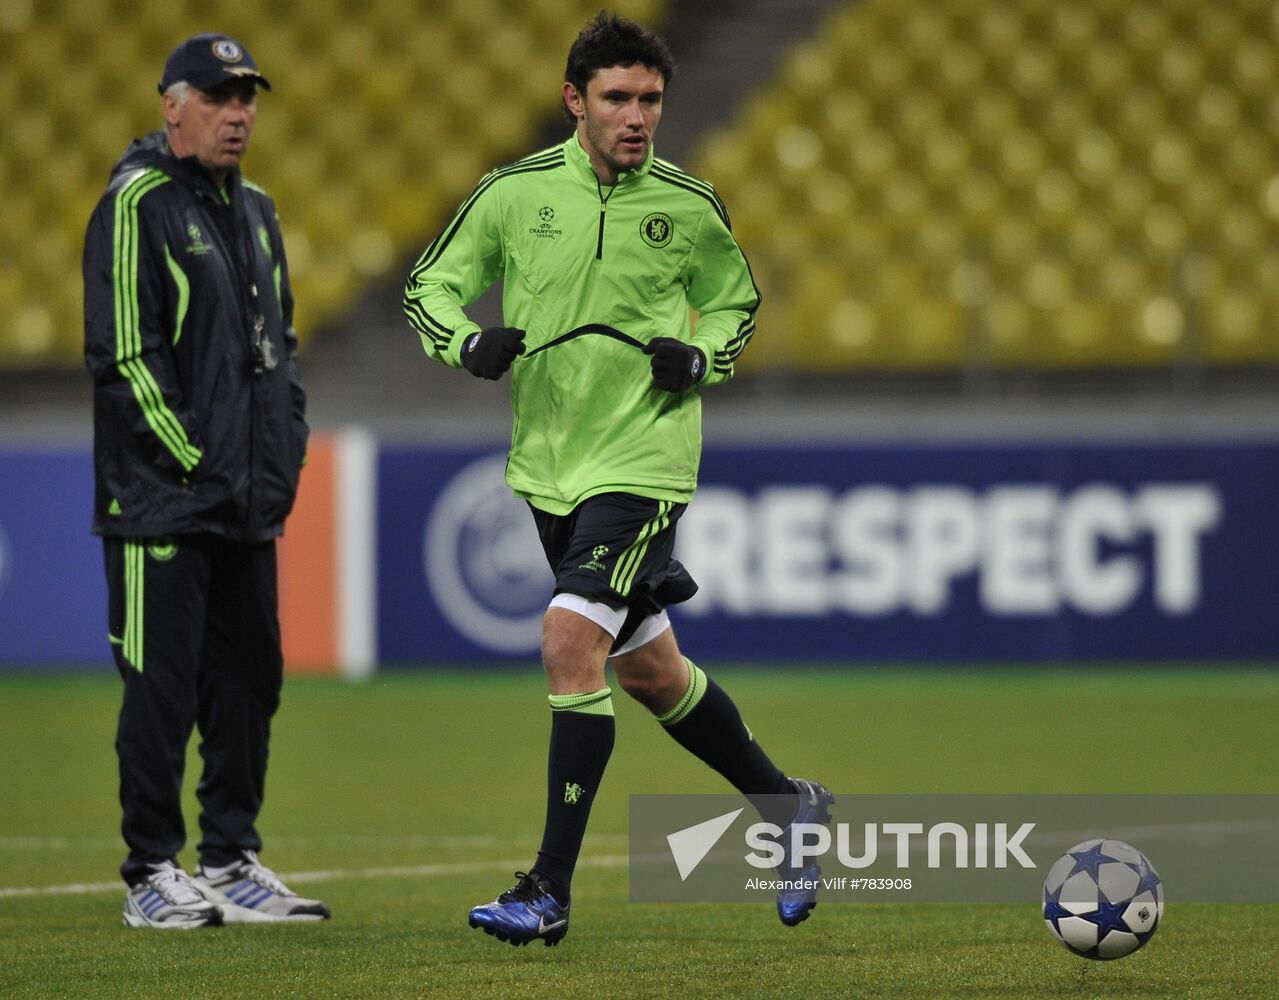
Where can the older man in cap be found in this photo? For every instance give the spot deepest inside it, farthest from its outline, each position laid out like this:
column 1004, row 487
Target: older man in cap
column 199, row 438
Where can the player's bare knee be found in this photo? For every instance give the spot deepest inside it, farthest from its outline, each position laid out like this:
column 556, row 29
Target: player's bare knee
column 647, row 690
column 566, row 659
column 574, row 649
column 656, row 683
column 558, row 649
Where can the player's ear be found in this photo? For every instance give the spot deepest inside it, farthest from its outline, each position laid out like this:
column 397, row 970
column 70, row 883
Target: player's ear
column 573, row 101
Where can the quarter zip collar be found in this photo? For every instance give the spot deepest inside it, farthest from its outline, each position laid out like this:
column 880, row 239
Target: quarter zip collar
column 579, row 162
column 202, row 180
column 153, row 151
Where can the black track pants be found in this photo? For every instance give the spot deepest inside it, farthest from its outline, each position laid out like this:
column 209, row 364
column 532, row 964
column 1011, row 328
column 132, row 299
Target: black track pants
column 196, row 637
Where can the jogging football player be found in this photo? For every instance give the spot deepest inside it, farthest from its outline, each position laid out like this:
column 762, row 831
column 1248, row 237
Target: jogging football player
column 602, row 249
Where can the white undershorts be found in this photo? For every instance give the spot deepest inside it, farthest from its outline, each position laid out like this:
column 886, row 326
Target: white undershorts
column 611, row 620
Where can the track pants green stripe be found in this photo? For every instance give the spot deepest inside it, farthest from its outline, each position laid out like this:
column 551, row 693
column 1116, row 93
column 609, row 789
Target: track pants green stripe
column 134, row 602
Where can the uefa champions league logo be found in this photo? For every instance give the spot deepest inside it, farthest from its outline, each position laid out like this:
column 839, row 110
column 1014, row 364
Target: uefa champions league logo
column 484, row 563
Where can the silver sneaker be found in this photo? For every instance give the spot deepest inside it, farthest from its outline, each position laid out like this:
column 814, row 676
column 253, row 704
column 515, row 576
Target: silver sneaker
column 248, row 891
column 169, row 900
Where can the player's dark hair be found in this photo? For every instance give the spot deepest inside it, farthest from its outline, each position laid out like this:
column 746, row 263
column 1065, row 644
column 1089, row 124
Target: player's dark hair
column 609, row 40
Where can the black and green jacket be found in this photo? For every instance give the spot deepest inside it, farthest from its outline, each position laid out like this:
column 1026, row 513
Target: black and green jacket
column 188, row 437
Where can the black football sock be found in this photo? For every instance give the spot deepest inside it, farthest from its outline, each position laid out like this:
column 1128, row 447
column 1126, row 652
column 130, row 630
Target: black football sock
column 707, row 724
column 582, row 732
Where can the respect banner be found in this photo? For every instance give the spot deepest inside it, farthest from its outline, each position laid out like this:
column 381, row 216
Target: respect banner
column 859, row 552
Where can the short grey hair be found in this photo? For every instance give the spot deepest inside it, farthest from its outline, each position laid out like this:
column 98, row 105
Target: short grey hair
column 179, row 91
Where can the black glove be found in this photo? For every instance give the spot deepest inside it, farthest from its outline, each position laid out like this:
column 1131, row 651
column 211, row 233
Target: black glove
column 489, row 353
column 676, row 365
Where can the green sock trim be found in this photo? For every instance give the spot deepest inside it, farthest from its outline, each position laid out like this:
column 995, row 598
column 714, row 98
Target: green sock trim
column 592, row 703
column 696, row 688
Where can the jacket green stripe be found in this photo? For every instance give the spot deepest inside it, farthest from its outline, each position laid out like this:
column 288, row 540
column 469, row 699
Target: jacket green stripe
column 128, row 332
column 184, row 293
column 126, row 251
column 158, row 415
column 161, row 419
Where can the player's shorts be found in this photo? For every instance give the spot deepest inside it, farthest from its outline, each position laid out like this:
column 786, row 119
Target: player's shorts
column 616, row 548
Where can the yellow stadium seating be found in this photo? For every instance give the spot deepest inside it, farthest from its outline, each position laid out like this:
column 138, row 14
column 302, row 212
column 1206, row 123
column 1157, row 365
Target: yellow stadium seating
column 383, row 115
column 996, row 184
column 1020, row 184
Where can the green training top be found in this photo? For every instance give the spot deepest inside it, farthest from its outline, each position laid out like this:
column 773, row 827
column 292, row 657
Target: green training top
column 592, row 274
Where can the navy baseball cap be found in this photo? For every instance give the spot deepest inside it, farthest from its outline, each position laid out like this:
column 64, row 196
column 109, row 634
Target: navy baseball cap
column 206, row 60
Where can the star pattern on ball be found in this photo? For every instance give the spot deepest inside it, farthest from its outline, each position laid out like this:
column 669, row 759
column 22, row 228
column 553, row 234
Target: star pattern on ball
column 1090, row 861
column 1053, row 910
column 1149, row 880
column 1108, row 917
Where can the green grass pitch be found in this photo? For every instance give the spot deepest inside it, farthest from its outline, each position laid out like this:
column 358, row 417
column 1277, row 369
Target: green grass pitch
column 404, row 800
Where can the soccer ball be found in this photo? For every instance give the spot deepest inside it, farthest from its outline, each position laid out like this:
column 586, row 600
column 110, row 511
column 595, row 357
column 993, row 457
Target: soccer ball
column 1103, row 899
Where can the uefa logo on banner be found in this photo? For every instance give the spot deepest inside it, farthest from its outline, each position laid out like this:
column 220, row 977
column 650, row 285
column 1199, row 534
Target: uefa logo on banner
column 483, row 561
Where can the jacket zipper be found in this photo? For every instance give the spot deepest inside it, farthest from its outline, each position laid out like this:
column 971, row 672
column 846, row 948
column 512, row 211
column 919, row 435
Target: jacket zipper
column 236, row 241
column 599, row 242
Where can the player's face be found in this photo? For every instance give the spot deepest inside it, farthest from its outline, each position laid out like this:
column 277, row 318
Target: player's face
column 213, row 125
column 618, row 117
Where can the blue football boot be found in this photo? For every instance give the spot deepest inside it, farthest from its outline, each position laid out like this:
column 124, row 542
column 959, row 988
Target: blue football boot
column 525, row 912
column 794, row 905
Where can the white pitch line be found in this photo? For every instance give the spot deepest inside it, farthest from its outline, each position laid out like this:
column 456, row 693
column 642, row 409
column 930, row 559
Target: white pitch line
column 74, row 889
column 53, row 843
column 397, row 871
column 348, row 840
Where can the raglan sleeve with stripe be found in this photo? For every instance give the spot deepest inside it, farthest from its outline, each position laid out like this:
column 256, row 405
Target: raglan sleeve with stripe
column 723, row 291
column 456, row 269
column 127, row 327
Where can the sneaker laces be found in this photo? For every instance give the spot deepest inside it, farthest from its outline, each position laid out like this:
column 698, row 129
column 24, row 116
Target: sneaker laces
column 255, row 871
column 528, row 888
column 174, row 885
